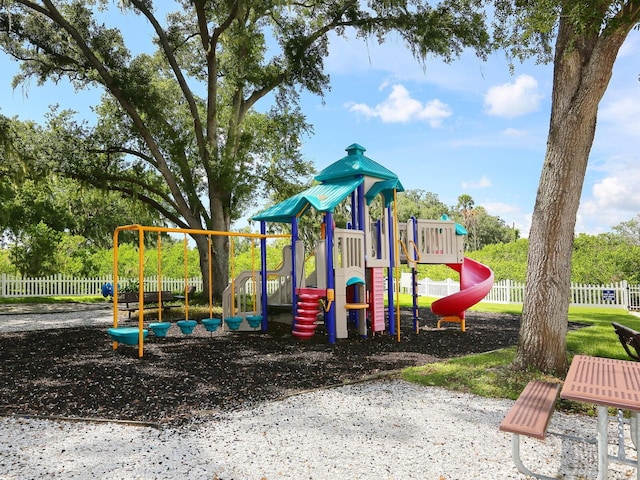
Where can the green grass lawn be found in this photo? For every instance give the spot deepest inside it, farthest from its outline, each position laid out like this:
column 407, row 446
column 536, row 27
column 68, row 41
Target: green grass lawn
column 491, row 375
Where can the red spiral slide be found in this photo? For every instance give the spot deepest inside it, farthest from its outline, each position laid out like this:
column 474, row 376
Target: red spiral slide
column 476, row 281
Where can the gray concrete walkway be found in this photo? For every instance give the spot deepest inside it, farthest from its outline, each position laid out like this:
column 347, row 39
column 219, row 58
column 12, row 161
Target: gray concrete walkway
column 22, row 317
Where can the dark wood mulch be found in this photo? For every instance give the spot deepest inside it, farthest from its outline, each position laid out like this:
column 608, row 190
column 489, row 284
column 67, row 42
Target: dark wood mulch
column 76, row 373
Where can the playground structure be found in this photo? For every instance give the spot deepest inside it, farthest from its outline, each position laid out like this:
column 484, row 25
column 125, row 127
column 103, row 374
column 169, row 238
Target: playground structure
column 346, row 287
column 351, row 262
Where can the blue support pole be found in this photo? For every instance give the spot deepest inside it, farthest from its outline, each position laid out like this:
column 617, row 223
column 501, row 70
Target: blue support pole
column 330, row 316
column 378, row 238
column 360, row 208
column 263, row 275
column 392, row 262
column 360, row 314
column 414, row 278
column 354, row 213
column 294, row 280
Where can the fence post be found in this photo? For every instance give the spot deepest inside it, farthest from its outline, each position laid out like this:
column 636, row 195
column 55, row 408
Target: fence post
column 624, row 294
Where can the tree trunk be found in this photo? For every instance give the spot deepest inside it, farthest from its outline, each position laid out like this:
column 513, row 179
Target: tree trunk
column 582, row 69
column 220, row 245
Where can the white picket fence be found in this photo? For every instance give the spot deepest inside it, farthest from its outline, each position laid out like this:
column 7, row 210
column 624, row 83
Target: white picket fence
column 619, row 295
column 62, row 285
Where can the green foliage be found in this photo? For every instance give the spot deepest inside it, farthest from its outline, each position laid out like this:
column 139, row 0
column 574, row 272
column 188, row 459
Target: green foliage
column 33, row 254
column 629, row 230
column 420, row 204
column 605, row 258
column 200, row 161
column 6, row 265
column 507, row 260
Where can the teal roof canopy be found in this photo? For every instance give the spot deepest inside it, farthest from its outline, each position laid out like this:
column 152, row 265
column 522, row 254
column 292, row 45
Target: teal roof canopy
column 337, row 181
column 323, row 197
column 386, row 188
column 355, row 163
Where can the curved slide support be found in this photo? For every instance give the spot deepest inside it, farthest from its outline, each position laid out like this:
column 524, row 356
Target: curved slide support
column 476, row 281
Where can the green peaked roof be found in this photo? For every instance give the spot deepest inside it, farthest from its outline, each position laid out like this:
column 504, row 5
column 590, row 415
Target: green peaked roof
column 323, row 197
column 338, row 181
column 355, row 163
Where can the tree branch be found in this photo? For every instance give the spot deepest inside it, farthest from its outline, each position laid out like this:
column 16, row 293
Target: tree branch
column 184, row 87
column 52, row 13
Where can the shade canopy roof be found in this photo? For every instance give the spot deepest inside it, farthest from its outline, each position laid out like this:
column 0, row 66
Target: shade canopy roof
column 338, row 181
column 323, row 197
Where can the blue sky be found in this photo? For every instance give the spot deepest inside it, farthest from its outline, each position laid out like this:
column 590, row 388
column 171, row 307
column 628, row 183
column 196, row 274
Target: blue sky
column 469, row 127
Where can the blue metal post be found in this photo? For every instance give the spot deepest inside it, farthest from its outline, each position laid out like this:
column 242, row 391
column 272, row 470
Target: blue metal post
column 294, row 280
column 392, row 262
column 360, row 208
column 330, row 316
column 354, row 215
column 378, row 239
column 263, row 275
column 360, row 314
column 414, row 277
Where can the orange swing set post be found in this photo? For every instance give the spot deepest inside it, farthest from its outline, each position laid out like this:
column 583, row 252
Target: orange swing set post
column 129, row 335
column 185, row 251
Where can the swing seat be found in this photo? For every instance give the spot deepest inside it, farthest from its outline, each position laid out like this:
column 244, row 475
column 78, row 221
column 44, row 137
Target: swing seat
column 187, row 326
column 211, row 324
column 233, row 322
column 126, row 335
column 160, row 329
column 254, row 320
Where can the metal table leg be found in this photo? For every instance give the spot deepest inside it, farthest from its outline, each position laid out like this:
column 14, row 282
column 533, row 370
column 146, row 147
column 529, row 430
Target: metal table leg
column 634, row 440
column 603, row 448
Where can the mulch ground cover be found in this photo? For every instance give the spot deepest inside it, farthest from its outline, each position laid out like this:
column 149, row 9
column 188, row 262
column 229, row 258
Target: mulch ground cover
column 76, row 373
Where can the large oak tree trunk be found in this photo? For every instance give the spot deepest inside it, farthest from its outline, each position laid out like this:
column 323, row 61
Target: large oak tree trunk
column 582, row 70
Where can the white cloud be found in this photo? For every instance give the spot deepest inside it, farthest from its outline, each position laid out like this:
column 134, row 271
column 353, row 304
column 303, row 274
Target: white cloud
column 514, row 133
column 622, row 114
column 618, row 192
column 614, row 197
column 513, row 99
column 400, row 107
column 484, row 182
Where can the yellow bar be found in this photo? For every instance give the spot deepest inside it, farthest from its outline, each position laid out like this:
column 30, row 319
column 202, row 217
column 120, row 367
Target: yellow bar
column 193, row 231
column 141, row 291
column 210, row 279
column 159, row 250
column 115, row 283
column 185, row 254
column 233, row 291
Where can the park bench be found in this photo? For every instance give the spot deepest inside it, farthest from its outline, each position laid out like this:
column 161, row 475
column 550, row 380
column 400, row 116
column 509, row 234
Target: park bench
column 630, row 339
column 130, row 301
column 530, row 416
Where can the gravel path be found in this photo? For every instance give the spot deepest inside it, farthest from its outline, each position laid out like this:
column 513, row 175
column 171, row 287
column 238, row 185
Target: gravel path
column 385, row 429
column 379, row 430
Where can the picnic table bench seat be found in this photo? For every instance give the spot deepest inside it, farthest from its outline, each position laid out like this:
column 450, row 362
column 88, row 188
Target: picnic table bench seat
column 131, row 301
column 630, row 340
column 530, row 416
